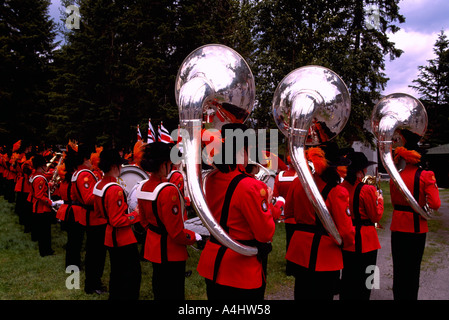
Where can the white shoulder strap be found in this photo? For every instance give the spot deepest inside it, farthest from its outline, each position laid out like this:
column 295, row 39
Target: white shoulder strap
column 34, row 177
column 151, row 196
column 171, row 173
column 75, row 176
column 283, row 178
column 100, row 192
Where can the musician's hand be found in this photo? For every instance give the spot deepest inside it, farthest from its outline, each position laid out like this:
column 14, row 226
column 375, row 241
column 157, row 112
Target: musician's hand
column 379, row 196
column 270, row 194
column 198, row 237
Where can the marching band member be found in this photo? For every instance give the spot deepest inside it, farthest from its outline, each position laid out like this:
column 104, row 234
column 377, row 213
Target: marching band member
column 317, row 259
column 42, row 204
column 161, row 209
column 366, row 205
column 110, row 204
column 281, row 186
column 241, row 204
column 82, row 184
column 408, row 228
column 75, row 231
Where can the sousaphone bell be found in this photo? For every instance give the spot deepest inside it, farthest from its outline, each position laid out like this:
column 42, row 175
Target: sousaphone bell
column 214, row 85
column 311, row 105
column 395, row 112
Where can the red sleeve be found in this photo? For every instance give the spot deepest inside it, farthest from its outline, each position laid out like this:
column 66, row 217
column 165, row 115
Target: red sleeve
column 338, row 205
column 373, row 206
column 431, row 190
column 117, row 208
column 85, row 183
column 169, row 210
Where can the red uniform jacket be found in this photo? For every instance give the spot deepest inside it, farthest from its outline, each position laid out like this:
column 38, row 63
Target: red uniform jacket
column 282, row 183
column 249, row 218
column 160, row 245
column 371, row 210
column 83, row 182
column 428, row 193
column 63, row 192
column 23, row 178
column 39, row 195
column 110, row 204
column 329, row 256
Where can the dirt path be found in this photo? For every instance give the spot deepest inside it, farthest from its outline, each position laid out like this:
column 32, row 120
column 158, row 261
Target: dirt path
column 434, row 280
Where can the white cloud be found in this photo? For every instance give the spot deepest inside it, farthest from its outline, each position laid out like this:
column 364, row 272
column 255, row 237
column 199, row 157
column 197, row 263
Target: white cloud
column 418, row 49
column 424, row 19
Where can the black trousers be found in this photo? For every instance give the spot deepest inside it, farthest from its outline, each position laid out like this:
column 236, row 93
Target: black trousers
column 95, row 257
column 43, row 232
column 407, row 250
column 126, row 274
column 217, row 291
column 289, row 230
column 75, row 237
column 354, row 276
column 314, row 285
column 169, row 280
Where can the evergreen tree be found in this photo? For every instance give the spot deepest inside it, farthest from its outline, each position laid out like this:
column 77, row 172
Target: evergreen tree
column 119, row 68
column 334, row 34
column 26, row 45
column 433, row 79
column 433, row 86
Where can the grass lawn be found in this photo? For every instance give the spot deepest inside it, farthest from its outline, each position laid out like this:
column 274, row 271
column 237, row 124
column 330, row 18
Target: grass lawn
column 27, row 276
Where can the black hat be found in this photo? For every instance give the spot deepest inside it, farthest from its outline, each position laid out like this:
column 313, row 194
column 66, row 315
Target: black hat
column 411, row 141
column 359, row 161
column 335, row 156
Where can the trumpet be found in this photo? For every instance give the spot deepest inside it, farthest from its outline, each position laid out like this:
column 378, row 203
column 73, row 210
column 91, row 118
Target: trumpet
column 52, row 160
column 55, row 179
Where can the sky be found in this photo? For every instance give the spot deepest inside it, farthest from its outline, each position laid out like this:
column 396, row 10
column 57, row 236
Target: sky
column 424, row 20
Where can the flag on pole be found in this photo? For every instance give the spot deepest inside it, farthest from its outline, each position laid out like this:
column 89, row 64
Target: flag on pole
column 164, row 136
column 139, row 136
column 151, row 135
column 179, row 135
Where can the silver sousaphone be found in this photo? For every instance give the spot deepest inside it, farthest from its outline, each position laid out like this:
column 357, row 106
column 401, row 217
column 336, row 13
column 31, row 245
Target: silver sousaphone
column 398, row 111
column 215, row 83
column 311, row 105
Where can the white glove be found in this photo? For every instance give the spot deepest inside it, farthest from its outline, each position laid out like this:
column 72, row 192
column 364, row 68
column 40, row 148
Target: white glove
column 198, row 237
column 280, row 199
column 57, row 203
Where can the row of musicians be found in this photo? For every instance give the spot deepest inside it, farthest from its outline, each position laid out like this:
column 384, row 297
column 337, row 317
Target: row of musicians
column 244, row 209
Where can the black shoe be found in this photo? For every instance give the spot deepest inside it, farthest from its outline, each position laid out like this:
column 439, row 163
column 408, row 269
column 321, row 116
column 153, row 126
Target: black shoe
column 49, row 253
column 98, row 291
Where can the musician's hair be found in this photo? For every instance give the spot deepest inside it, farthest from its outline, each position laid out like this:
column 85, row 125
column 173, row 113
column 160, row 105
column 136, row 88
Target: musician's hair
column 154, row 155
column 108, row 159
column 38, row 161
